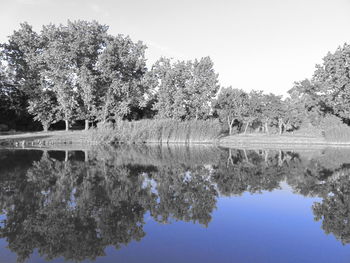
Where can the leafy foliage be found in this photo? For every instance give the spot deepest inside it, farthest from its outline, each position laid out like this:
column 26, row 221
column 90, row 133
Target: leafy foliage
column 184, row 89
column 231, row 105
column 122, row 66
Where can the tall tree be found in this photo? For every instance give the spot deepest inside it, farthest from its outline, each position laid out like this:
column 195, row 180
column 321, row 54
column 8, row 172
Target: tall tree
column 86, row 40
column 59, row 70
column 21, row 53
column 122, row 65
column 203, row 88
column 184, row 89
column 171, row 88
column 333, row 80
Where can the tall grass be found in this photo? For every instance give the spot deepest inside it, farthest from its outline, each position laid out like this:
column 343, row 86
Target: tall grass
column 339, row 133
column 158, row 131
column 335, row 130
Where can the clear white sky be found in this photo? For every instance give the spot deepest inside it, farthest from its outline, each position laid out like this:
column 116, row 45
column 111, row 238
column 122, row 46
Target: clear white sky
column 255, row 44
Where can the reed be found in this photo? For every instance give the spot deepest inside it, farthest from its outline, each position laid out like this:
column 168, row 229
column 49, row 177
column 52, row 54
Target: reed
column 339, row 133
column 158, row 131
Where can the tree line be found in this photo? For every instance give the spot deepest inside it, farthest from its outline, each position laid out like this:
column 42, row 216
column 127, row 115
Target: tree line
column 79, row 71
column 322, row 100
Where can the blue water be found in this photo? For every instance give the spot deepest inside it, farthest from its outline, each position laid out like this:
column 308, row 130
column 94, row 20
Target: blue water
column 270, row 226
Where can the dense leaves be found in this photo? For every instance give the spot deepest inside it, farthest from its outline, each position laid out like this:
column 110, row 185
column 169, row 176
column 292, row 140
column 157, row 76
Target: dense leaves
column 184, row 89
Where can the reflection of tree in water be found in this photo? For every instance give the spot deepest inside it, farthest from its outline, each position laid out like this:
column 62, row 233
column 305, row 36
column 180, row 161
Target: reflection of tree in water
column 251, row 171
column 184, row 194
column 75, row 207
column 334, row 209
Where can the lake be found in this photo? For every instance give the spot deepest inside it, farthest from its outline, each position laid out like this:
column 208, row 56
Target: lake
column 174, row 204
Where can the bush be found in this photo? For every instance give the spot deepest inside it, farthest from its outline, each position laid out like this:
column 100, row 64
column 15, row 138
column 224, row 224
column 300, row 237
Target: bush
column 158, row 131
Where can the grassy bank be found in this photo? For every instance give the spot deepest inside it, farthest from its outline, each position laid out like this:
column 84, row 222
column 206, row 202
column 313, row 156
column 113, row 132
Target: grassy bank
column 45, row 138
column 171, row 131
column 158, row 131
column 144, row 131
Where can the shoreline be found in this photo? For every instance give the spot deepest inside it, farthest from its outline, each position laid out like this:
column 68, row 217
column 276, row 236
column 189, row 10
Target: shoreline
column 83, row 138
column 278, row 140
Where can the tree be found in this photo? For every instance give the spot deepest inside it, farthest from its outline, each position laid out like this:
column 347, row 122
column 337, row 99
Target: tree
column 271, row 109
column 171, row 81
column 253, row 109
column 231, row 105
column 44, row 107
column 23, row 69
column 21, row 55
column 184, row 89
column 289, row 116
column 332, row 79
column 310, row 104
column 86, row 40
column 6, row 92
column 59, row 71
column 122, row 65
column 202, row 89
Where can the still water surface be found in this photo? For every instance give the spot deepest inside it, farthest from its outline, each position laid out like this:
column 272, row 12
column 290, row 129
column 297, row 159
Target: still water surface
column 175, row 204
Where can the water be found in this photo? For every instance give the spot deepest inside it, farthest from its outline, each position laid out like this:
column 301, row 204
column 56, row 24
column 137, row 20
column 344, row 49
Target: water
column 174, row 204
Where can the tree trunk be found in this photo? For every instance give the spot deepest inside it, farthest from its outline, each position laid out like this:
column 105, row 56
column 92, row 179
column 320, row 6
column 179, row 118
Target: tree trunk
column 230, row 123
column 280, row 158
column 45, row 127
column 86, row 156
column 266, row 156
column 266, row 127
column 280, row 124
column 229, row 159
column 67, row 125
column 246, row 127
column 86, row 125
column 246, row 156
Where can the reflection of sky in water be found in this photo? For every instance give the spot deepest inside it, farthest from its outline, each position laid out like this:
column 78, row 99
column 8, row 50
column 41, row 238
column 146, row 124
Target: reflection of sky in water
column 275, row 226
column 270, row 227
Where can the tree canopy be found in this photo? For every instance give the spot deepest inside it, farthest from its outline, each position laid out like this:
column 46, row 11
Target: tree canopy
column 78, row 71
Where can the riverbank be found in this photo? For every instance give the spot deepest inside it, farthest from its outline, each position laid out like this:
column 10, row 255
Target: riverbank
column 86, row 138
column 46, row 138
column 277, row 141
column 77, row 138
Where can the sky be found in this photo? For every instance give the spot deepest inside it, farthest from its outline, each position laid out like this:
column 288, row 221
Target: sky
column 255, row 44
